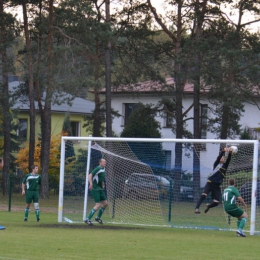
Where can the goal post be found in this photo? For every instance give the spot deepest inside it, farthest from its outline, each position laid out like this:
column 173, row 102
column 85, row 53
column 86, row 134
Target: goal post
column 254, row 192
column 152, row 181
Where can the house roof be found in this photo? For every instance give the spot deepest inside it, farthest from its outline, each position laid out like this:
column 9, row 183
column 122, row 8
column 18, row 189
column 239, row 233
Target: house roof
column 75, row 105
column 150, row 86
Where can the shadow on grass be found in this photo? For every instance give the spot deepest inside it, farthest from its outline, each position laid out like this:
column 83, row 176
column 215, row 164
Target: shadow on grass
column 84, row 226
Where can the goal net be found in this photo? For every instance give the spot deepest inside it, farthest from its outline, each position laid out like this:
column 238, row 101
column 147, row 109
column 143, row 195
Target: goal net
column 156, row 181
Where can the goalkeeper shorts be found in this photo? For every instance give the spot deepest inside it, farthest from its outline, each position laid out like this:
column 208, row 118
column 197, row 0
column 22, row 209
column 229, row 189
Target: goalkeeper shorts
column 214, row 189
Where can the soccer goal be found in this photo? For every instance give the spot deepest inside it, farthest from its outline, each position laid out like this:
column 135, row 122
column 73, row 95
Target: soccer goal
column 156, row 181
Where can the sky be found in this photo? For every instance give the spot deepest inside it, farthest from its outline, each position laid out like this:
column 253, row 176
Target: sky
column 158, row 4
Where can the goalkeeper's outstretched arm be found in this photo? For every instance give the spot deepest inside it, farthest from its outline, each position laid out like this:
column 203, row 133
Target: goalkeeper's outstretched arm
column 218, row 159
column 225, row 165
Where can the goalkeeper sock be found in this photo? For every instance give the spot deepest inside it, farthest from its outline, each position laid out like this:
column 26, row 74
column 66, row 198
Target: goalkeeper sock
column 37, row 213
column 101, row 211
column 91, row 213
column 238, row 223
column 26, row 212
column 202, row 197
column 242, row 223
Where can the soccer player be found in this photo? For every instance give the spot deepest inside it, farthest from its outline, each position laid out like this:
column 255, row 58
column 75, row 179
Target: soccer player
column 30, row 187
column 214, row 181
column 230, row 195
column 96, row 185
column 1, row 167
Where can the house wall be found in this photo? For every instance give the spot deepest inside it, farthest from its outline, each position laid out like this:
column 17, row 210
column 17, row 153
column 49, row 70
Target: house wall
column 118, row 102
column 57, row 120
column 250, row 118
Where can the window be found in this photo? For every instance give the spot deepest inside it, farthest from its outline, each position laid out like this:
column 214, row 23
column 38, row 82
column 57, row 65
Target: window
column 75, row 128
column 129, row 108
column 169, row 120
column 168, row 160
column 22, row 129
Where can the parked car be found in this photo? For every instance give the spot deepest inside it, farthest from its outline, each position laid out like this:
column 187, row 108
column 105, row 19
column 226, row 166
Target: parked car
column 149, row 186
column 185, row 191
column 141, row 186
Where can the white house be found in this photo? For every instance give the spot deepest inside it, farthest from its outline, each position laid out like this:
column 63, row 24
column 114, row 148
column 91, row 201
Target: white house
column 124, row 98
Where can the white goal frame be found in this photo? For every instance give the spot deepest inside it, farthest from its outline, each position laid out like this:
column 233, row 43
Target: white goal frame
column 90, row 139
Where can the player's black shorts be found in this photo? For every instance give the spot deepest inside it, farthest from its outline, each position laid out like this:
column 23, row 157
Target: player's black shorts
column 214, row 189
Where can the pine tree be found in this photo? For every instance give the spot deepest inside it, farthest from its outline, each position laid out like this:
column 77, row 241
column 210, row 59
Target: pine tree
column 7, row 37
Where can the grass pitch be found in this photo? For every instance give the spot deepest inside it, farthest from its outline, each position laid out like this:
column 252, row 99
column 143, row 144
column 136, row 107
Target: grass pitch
column 51, row 240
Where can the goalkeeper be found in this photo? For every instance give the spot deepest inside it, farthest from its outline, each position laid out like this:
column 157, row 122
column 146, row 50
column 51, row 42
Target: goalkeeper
column 96, row 185
column 229, row 197
column 214, row 180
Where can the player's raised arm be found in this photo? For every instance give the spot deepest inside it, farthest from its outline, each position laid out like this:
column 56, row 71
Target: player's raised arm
column 225, row 165
column 218, row 158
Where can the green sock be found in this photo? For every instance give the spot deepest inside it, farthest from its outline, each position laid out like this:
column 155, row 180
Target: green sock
column 91, row 213
column 37, row 213
column 26, row 212
column 101, row 211
column 238, row 223
column 242, row 223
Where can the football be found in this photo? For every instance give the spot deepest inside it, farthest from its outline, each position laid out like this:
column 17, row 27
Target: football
column 234, row 149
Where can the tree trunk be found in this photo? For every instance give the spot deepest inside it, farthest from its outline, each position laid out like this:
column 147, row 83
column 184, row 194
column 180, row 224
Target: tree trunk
column 45, row 150
column 108, row 77
column 224, row 121
column 39, row 61
column 196, row 130
column 30, row 86
column 46, row 114
column 200, row 10
column 5, row 103
column 179, row 84
column 97, row 116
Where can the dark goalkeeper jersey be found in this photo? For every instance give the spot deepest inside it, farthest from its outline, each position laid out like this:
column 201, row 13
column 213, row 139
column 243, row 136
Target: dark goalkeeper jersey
column 219, row 170
column 32, row 181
